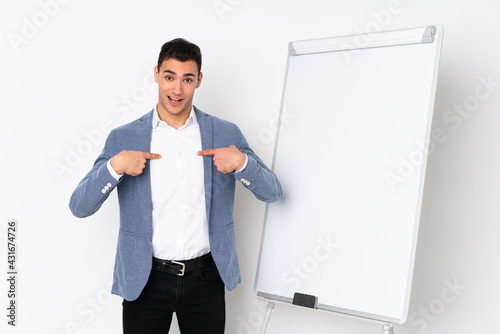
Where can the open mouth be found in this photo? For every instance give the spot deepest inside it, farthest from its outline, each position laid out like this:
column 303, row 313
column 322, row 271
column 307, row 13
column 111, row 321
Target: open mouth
column 175, row 102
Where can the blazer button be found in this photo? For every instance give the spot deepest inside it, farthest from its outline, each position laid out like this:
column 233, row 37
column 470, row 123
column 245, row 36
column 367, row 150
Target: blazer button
column 109, row 185
column 103, row 191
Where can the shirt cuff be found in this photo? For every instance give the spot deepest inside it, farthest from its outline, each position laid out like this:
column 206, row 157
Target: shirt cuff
column 244, row 165
column 116, row 176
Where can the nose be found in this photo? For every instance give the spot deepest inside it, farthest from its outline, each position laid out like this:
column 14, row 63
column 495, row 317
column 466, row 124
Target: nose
column 177, row 87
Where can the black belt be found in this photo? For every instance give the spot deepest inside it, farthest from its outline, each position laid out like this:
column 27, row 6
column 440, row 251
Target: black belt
column 179, row 268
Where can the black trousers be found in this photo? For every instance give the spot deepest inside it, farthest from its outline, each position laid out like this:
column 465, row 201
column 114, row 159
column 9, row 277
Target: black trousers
column 197, row 298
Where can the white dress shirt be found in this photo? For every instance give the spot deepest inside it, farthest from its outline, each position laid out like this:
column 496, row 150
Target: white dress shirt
column 180, row 227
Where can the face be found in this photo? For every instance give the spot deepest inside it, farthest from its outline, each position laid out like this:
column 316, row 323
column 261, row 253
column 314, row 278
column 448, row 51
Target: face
column 177, row 82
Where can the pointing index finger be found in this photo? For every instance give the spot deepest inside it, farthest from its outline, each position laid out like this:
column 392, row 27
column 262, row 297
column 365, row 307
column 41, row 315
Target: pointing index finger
column 208, row 152
column 148, row 155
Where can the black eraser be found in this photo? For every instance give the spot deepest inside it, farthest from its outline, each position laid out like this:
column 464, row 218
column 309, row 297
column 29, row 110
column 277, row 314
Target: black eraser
column 301, row 299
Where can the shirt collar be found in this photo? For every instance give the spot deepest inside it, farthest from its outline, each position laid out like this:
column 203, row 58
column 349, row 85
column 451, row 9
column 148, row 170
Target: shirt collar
column 157, row 122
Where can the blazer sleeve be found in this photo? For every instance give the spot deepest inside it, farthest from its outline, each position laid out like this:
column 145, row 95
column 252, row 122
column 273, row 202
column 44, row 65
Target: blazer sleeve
column 96, row 186
column 256, row 176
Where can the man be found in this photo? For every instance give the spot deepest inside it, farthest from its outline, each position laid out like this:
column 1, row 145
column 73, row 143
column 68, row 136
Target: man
column 176, row 247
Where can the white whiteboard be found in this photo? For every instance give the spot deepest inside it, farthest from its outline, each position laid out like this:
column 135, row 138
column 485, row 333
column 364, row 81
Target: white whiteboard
column 345, row 229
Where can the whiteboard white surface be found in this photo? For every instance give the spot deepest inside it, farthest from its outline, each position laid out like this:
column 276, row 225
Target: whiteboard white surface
column 344, row 230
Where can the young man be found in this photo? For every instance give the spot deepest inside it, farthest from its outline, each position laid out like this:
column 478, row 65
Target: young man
column 175, row 170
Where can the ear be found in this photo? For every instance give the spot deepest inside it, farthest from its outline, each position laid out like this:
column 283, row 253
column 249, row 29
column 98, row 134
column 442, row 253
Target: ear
column 200, row 77
column 156, row 74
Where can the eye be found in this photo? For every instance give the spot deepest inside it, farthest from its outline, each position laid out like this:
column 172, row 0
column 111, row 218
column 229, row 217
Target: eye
column 188, row 80
column 168, row 77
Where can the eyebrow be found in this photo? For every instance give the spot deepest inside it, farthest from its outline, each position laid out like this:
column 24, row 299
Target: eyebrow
column 186, row 75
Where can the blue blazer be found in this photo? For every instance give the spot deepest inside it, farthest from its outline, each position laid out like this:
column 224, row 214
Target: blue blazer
column 134, row 251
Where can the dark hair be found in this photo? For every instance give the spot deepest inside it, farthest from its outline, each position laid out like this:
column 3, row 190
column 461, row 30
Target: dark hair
column 181, row 50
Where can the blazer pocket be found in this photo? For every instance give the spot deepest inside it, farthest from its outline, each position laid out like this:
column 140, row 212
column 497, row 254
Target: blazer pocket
column 125, row 232
column 126, row 243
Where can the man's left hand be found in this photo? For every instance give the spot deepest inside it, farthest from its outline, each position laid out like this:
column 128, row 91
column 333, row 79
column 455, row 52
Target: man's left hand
column 227, row 159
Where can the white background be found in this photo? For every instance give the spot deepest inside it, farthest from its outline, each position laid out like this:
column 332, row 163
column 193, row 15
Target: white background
column 71, row 70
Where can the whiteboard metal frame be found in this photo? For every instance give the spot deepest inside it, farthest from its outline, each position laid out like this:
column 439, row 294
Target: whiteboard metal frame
column 371, row 40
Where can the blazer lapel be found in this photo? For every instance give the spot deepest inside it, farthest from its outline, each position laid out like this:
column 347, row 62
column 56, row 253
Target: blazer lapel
column 141, row 141
column 142, row 133
column 206, row 133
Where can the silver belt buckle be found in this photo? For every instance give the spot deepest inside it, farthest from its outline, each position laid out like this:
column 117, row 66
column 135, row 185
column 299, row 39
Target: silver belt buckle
column 183, row 265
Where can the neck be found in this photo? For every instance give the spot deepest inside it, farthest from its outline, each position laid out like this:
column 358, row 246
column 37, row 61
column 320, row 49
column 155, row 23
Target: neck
column 173, row 120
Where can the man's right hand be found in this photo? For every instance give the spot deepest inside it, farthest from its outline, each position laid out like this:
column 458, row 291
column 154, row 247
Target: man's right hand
column 131, row 162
